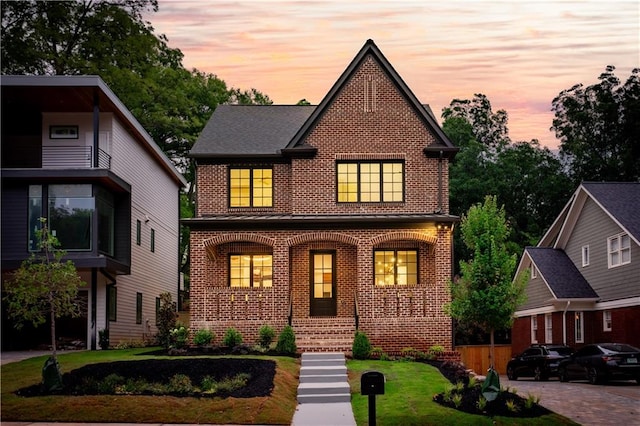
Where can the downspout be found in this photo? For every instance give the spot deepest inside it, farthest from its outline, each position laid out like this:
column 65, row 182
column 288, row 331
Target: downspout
column 440, row 182
column 564, row 323
column 96, row 129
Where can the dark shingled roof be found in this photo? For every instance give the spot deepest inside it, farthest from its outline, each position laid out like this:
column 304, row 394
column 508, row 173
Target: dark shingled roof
column 562, row 276
column 621, row 200
column 250, row 129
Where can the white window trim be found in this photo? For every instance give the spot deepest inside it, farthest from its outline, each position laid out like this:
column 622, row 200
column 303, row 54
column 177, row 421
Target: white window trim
column 534, row 271
column 606, row 321
column 585, row 255
column 619, row 251
column 534, row 329
column 579, row 327
column 548, row 328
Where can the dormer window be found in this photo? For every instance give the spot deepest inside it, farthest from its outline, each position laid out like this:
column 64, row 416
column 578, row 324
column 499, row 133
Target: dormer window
column 619, row 248
column 370, row 182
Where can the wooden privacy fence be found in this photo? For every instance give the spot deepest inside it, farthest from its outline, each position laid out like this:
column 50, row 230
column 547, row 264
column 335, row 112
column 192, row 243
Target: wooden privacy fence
column 476, row 357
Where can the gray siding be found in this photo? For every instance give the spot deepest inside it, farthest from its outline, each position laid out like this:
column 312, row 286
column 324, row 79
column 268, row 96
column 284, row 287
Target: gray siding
column 538, row 293
column 593, row 228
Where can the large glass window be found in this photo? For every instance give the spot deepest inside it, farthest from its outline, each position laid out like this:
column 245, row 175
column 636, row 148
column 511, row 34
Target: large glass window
column 370, row 182
column 106, row 221
column 70, row 215
column 396, row 267
column 619, row 250
column 35, row 213
column 250, row 270
column 250, row 187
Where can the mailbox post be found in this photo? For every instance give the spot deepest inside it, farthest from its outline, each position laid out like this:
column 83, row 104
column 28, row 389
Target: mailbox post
column 372, row 384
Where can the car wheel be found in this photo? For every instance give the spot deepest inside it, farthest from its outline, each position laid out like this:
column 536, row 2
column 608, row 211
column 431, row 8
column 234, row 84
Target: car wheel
column 594, row 376
column 562, row 375
column 511, row 374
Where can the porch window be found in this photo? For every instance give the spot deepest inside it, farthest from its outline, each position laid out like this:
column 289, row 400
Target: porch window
column 579, row 327
column 396, row 267
column 370, row 182
column 548, row 328
column 534, row 329
column 619, row 247
column 250, row 270
column 606, row 321
column 250, row 187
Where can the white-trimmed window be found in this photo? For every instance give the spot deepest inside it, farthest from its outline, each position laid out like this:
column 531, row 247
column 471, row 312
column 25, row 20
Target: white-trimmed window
column 534, row 329
column 606, row 320
column 534, row 271
column 579, row 327
column 585, row 255
column 548, row 328
column 619, row 248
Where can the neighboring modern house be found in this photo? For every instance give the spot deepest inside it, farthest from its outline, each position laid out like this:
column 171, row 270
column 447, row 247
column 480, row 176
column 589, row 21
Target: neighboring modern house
column 330, row 218
column 74, row 154
column 584, row 282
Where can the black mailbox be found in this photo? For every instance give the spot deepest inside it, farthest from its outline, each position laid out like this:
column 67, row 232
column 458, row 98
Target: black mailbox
column 372, row 383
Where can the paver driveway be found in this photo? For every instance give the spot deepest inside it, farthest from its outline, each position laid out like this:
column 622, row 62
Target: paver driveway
column 616, row 403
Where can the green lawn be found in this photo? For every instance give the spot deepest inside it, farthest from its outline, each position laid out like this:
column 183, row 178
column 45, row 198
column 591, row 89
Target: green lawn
column 409, row 390
column 408, row 398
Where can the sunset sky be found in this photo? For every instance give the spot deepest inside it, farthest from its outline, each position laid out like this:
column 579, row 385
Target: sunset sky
column 520, row 54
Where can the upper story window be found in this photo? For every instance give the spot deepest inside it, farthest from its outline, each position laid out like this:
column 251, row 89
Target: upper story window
column 396, row 267
column 619, row 248
column 250, row 187
column 534, row 271
column 250, row 270
column 71, row 210
column 585, row 255
column 370, row 182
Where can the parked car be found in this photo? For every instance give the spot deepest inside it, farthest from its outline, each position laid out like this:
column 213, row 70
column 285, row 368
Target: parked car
column 600, row 362
column 538, row 361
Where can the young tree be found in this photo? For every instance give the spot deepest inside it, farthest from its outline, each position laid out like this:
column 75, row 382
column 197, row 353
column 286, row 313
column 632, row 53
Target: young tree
column 487, row 293
column 44, row 286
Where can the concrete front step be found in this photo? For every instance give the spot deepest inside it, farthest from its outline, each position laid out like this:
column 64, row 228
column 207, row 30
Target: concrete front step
column 322, row 378
column 322, row 370
column 323, row 388
column 324, row 399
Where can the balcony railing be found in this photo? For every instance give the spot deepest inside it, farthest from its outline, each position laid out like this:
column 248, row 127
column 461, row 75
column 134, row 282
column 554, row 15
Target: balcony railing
column 66, row 157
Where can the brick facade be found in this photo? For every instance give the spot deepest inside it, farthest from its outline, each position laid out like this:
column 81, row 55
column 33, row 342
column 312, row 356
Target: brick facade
column 352, row 127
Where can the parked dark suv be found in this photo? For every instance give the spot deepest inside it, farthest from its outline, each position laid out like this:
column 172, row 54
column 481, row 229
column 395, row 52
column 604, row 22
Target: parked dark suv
column 538, row 361
column 601, row 362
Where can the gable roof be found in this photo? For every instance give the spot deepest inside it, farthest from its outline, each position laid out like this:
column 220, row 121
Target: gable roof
column 275, row 130
column 619, row 200
column 370, row 49
column 560, row 274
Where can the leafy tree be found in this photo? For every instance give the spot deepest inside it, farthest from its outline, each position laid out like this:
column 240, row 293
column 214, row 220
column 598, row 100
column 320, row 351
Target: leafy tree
column 599, row 128
column 44, row 287
column 486, row 293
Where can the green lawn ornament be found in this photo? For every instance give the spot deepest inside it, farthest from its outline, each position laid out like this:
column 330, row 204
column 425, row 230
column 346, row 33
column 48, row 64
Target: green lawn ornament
column 491, row 385
column 51, row 377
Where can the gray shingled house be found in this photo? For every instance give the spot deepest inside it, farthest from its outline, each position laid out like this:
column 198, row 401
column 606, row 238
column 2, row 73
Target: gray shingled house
column 585, row 272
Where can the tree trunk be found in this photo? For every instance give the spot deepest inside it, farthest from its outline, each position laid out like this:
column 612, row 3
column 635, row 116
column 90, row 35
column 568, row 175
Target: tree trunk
column 491, row 351
column 53, row 326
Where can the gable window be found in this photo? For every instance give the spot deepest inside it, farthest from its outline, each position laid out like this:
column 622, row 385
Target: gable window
column 534, row 329
column 585, row 255
column 548, row 328
column 534, row 272
column 579, row 327
column 250, row 187
column 250, row 270
column 370, row 182
column 606, row 321
column 396, row 267
column 619, row 248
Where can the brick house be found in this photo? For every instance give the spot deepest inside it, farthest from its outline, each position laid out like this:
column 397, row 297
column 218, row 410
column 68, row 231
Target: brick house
column 330, row 218
column 74, row 154
column 584, row 285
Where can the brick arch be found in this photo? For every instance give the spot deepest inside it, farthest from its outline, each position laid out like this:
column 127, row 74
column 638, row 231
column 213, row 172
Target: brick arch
column 322, row 236
column 211, row 243
column 404, row 235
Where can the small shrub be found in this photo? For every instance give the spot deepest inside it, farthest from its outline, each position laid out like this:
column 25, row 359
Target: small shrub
column 179, row 337
column 231, row 384
column 435, row 351
column 208, row 385
column 131, row 343
column 531, row 401
column 481, row 404
column 167, row 317
column 361, row 348
column 458, row 387
column 181, row 384
column 457, row 400
column 232, row 338
column 203, row 337
column 266, row 335
column 103, row 339
column 109, row 384
column 287, row 341
column 473, row 381
column 448, row 393
column 512, row 406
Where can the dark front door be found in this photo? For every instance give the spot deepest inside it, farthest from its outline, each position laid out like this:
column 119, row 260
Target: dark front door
column 323, row 283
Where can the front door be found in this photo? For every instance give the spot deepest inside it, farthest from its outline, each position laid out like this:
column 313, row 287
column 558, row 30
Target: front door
column 323, row 283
